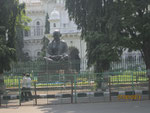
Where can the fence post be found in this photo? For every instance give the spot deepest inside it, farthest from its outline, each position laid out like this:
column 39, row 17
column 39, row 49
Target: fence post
column 72, row 89
column 19, row 93
column 75, row 88
column 35, row 96
column 148, row 75
column 132, row 84
column 47, row 86
column 109, row 80
column 0, row 99
column 1, row 87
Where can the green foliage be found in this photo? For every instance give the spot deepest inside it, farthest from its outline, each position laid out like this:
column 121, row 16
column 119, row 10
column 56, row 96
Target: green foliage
column 45, row 42
column 101, row 49
column 10, row 11
column 74, row 58
column 135, row 16
column 73, row 53
column 19, row 44
column 47, row 25
column 21, row 19
column 20, row 28
column 99, row 24
column 108, row 26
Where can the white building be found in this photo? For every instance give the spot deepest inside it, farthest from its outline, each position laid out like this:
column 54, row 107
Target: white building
column 58, row 17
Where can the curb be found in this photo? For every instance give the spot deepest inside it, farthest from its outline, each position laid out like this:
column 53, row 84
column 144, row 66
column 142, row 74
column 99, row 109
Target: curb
column 87, row 94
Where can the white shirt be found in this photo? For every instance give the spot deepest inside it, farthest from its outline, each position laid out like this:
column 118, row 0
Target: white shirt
column 28, row 82
column 24, row 81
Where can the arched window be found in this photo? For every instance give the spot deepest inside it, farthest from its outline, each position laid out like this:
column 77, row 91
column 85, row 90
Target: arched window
column 37, row 23
column 38, row 30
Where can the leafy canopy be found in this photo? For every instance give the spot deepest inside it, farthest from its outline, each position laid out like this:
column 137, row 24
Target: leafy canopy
column 10, row 13
column 99, row 24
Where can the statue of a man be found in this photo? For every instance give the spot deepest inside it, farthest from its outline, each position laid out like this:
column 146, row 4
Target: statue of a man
column 57, row 49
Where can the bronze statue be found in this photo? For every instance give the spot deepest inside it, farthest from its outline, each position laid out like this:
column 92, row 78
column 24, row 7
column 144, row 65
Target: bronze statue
column 57, row 49
column 59, row 56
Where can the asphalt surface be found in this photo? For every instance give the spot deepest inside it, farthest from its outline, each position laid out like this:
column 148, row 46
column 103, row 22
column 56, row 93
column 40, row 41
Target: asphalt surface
column 104, row 107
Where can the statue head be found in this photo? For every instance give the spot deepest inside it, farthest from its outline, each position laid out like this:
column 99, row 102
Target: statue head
column 56, row 35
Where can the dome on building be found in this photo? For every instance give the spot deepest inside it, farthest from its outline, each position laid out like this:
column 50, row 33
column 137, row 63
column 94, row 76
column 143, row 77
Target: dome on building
column 55, row 15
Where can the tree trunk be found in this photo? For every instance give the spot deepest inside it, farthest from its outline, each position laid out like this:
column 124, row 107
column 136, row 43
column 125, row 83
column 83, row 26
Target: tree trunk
column 1, row 86
column 101, row 67
column 146, row 55
column 1, row 83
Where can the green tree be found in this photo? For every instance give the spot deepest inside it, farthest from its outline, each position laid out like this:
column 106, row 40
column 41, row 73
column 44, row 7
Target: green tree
column 21, row 26
column 10, row 10
column 47, row 24
column 135, row 21
column 19, row 44
column 99, row 24
column 45, row 40
column 135, row 16
column 74, row 58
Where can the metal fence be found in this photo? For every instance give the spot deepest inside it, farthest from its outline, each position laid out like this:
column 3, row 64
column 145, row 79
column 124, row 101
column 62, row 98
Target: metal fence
column 44, row 66
column 61, row 88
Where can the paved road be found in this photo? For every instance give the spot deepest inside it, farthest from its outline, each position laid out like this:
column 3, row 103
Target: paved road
column 105, row 107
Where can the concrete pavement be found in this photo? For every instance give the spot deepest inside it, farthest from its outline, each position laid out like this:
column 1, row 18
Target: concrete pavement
column 105, row 107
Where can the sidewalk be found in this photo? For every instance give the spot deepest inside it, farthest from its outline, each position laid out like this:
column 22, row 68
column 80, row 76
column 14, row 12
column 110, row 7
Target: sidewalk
column 106, row 107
